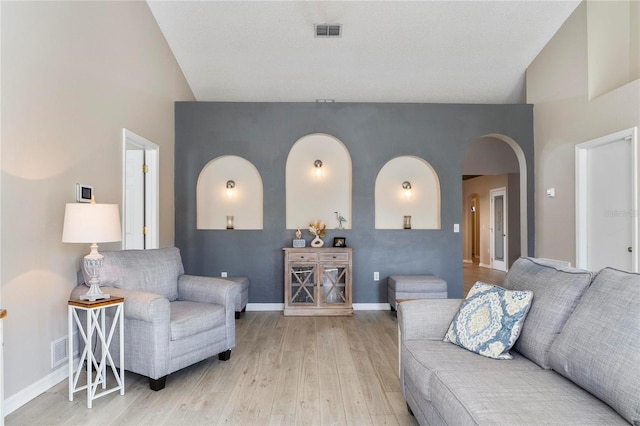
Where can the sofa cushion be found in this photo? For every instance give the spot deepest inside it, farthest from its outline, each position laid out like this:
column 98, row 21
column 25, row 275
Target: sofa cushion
column 189, row 318
column 516, row 398
column 422, row 358
column 154, row 271
column 556, row 294
column 489, row 320
column 599, row 347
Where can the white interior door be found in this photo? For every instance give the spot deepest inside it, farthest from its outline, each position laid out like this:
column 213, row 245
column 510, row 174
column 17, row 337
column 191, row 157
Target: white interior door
column 606, row 176
column 140, row 192
column 134, row 220
column 498, row 198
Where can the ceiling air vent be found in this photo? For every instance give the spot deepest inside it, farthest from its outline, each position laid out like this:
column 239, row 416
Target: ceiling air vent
column 328, row 30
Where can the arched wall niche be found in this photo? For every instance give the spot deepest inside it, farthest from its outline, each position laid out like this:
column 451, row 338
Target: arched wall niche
column 311, row 197
column 213, row 204
column 392, row 203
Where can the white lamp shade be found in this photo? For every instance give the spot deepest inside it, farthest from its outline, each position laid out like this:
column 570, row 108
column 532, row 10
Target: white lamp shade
column 91, row 223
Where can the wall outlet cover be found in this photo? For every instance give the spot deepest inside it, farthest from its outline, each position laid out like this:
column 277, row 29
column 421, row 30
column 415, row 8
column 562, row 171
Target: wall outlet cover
column 223, row 274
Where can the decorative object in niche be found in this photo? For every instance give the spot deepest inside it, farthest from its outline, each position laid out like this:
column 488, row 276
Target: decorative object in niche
column 229, row 222
column 339, row 242
column 406, row 223
column 341, row 220
column 317, row 229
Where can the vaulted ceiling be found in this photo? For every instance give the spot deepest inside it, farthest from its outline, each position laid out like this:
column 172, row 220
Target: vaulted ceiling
column 389, row 51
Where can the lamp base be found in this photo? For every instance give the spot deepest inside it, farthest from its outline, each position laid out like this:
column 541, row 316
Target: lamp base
column 94, row 294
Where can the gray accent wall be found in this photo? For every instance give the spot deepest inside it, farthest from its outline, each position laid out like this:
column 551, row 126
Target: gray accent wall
column 263, row 133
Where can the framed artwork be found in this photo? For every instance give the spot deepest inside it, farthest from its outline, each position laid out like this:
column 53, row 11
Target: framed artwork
column 339, row 242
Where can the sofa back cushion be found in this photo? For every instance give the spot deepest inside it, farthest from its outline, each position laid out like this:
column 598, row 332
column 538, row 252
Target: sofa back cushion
column 599, row 347
column 555, row 295
column 153, row 271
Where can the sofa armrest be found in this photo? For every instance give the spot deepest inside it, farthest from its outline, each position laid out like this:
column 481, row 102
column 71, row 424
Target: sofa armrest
column 139, row 305
column 426, row 318
column 207, row 290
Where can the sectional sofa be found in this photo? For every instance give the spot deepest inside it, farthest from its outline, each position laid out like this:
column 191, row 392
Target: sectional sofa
column 576, row 361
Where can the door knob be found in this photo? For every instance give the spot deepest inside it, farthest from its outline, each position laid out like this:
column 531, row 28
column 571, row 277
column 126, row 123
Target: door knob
column 629, row 249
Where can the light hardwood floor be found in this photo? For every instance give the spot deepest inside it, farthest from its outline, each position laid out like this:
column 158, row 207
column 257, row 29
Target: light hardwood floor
column 283, row 371
column 471, row 273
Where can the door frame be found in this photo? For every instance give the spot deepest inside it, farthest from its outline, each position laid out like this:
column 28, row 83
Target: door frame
column 504, row 264
column 152, row 153
column 581, row 152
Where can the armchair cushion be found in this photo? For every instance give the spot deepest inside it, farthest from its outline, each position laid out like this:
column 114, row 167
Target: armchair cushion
column 189, row 318
column 153, row 271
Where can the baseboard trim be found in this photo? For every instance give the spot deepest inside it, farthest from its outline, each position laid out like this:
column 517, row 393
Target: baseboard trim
column 484, row 265
column 257, row 307
column 467, row 261
column 265, row 306
column 371, row 307
column 16, row 401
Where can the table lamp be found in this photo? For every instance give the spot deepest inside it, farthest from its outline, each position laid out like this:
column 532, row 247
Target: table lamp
column 92, row 223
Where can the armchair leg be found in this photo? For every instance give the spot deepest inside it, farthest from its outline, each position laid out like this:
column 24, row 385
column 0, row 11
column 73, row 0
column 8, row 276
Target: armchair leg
column 157, row 384
column 237, row 315
column 224, row 356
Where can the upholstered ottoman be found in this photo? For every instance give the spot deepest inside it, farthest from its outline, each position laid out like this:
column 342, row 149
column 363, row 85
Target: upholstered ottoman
column 243, row 297
column 415, row 287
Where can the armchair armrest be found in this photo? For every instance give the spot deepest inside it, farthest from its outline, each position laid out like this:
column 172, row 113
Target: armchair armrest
column 207, row 290
column 426, row 318
column 139, row 305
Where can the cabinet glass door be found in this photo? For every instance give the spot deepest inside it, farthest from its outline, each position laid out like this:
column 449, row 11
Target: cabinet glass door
column 302, row 278
column 334, row 284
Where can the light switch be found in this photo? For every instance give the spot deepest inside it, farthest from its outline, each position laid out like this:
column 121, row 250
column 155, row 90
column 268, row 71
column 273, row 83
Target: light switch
column 456, row 227
column 551, row 192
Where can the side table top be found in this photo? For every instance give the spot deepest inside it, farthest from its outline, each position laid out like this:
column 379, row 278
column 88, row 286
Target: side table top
column 95, row 303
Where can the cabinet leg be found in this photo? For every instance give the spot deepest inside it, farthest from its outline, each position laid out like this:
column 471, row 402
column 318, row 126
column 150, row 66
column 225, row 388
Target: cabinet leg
column 157, row 384
column 224, row 356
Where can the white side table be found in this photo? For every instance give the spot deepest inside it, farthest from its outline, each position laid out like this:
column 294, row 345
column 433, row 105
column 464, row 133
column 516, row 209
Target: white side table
column 95, row 329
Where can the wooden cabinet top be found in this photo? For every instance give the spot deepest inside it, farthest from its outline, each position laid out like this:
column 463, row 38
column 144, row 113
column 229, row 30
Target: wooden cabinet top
column 319, row 249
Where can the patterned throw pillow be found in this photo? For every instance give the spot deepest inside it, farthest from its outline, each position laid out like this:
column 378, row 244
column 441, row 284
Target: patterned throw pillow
column 489, row 320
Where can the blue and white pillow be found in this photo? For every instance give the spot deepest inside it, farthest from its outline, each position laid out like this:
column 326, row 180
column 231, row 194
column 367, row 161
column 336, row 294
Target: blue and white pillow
column 489, row 320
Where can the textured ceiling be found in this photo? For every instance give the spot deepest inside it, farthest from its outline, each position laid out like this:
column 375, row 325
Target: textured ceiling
column 390, row 51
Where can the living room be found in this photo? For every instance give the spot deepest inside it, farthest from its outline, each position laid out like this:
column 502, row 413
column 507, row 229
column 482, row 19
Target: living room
column 74, row 74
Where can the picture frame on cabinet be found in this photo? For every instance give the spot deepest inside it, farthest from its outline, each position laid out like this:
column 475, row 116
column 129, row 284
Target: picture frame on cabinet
column 339, row 242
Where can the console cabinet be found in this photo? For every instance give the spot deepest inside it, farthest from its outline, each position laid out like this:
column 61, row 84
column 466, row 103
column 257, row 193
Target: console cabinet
column 317, row 281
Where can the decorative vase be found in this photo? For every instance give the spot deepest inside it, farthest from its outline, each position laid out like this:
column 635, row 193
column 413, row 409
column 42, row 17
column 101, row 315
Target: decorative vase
column 406, row 223
column 317, row 242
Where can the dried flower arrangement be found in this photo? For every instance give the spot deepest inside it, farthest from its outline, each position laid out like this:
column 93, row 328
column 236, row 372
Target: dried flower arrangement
column 317, row 228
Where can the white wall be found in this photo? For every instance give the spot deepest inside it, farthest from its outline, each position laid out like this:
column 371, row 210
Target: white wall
column 578, row 95
column 73, row 75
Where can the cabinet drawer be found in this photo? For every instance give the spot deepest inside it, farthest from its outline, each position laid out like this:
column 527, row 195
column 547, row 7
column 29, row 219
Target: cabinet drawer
column 303, row 257
column 336, row 257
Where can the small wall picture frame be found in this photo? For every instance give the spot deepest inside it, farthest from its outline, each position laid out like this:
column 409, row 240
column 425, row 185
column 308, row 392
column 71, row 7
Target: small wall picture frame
column 83, row 193
column 339, row 242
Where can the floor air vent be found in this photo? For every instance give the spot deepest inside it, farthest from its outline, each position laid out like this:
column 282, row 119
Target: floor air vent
column 328, row 30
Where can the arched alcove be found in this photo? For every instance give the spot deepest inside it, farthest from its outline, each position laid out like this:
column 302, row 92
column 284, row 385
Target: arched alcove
column 316, row 193
column 244, row 202
column 393, row 202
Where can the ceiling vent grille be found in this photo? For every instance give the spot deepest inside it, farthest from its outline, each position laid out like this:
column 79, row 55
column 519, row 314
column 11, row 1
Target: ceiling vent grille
column 328, row 30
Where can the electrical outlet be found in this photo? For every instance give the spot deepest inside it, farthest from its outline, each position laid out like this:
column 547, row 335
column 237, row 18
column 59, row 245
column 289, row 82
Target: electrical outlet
column 376, row 276
column 223, row 274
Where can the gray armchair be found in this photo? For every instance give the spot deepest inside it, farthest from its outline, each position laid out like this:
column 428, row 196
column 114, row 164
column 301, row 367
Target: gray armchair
column 171, row 320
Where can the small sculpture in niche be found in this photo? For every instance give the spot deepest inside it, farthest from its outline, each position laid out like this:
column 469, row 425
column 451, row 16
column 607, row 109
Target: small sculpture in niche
column 341, row 220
